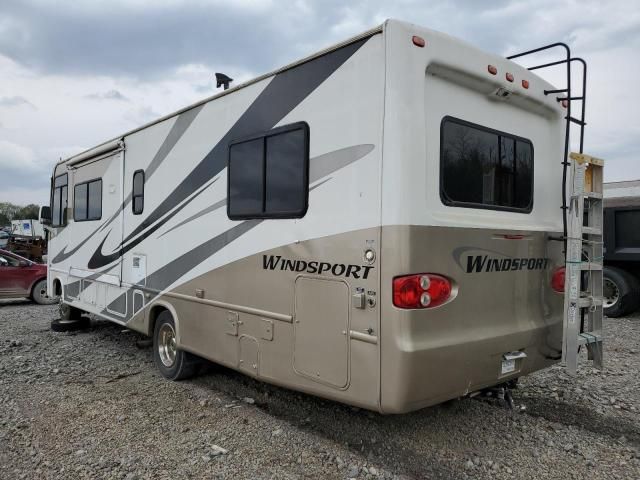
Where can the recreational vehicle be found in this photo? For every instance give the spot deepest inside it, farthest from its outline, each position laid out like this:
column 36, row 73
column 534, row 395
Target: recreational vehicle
column 378, row 224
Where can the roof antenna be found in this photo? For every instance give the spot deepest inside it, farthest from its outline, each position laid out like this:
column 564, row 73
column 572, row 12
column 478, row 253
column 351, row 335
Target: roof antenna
column 222, row 79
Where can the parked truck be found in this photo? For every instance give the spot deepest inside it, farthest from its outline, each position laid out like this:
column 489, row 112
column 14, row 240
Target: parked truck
column 621, row 285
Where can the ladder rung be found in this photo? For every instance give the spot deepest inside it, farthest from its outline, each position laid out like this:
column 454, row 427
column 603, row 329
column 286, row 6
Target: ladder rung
column 585, row 302
column 593, row 195
column 561, row 90
column 589, row 338
column 576, row 121
column 587, row 266
column 592, row 230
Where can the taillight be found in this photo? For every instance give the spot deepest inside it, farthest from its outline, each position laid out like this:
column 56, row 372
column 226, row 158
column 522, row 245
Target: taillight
column 557, row 279
column 418, row 41
column 424, row 290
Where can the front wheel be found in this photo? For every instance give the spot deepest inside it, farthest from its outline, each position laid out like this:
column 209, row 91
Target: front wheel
column 39, row 294
column 173, row 364
column 620, row 291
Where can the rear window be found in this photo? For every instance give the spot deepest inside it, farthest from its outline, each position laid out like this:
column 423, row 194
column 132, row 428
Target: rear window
column 484, row 168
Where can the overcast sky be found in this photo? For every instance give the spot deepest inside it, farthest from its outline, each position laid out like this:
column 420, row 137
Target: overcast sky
column 73, row 74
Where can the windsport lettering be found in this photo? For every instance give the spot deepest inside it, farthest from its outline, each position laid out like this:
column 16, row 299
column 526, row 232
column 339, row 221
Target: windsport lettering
column 484, row 263
column 276, row 262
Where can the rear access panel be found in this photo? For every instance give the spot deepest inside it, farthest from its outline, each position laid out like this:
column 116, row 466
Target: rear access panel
column 321, row 344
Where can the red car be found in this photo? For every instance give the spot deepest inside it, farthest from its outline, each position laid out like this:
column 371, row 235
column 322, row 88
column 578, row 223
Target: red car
column 20, row 277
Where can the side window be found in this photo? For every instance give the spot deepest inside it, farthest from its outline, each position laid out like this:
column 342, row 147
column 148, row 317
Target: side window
column 87, row 201
column 6, row 261
column 484, row 168
column 137, row 195
column 268, row 174
column 59, row 201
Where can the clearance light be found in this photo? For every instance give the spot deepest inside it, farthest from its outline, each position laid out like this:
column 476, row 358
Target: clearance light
column 425, row 290
column 509, row 77
column 557, row 279
column 525, row 83
column 418, row 41
column 492, row 70
column 564, row 103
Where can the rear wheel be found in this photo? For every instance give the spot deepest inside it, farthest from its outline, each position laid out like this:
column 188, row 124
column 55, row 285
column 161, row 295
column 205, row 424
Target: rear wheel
column 173, row 364
column 620, row 291
column 39, row 294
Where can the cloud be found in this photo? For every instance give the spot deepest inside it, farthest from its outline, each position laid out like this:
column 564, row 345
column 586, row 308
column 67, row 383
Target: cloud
column 108, row 95
column 15, row 101
column 100, row 69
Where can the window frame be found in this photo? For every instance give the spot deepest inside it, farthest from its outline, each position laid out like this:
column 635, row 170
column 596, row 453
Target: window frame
column 87, row 182
column 304, row 126
column 133, row 195
column 54, row 191
column 483, row 206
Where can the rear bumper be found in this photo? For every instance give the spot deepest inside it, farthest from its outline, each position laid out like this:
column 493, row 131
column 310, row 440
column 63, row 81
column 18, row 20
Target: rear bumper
column 424, row 375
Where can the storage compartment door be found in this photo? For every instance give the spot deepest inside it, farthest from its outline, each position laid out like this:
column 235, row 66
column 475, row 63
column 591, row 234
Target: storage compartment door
column 321, row 344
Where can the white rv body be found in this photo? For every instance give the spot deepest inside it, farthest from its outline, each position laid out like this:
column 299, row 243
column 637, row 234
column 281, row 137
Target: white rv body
column 307, row 302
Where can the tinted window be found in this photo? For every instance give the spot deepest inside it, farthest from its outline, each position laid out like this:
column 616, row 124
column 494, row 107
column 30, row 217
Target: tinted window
column 484, row 168
column 87, row 201
column 286, row 186
column 95, row 200
column 80, row 202
column 268, row 174
column 138, row 192
column 246, row 171
column 59, row 200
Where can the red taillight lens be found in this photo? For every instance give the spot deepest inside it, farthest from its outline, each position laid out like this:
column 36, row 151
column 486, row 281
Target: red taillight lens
column 424, row 290
column 509, row 77
column 418, row 41
column 557, row 280
column 492, row 69
column 525, row 83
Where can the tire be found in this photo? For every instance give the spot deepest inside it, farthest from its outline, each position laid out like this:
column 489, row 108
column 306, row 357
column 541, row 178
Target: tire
column 67, row 312
column 61, row 325
column 39, row 294
column 172, row 363
column 621, row 292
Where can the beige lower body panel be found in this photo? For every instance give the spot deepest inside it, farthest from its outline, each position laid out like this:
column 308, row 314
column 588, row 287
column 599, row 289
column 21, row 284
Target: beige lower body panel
column 252, row 318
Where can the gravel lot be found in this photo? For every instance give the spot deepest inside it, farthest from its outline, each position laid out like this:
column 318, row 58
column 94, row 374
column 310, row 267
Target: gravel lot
column 91, row 405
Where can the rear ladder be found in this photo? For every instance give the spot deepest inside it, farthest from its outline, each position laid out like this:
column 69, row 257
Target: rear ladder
column 583, row 281
column 582, row 322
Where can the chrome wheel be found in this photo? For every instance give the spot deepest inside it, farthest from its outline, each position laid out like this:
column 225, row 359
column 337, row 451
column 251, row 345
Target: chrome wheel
column 167, row 345
column 610, row 292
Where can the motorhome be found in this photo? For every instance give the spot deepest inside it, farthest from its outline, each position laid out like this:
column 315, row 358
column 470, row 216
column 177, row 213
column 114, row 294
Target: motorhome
column 378, row 224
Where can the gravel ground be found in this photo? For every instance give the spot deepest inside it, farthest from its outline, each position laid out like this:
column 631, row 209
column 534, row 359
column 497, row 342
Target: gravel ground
column 91, row 405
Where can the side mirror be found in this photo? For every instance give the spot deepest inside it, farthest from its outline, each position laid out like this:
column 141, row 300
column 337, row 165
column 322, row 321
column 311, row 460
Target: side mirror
column 45, row 215
column 24, row 263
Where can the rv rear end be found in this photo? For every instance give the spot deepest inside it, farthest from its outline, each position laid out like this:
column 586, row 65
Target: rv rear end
column 471, row 221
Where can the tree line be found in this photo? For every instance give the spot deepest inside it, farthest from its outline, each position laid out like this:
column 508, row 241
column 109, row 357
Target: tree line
column 9, row 211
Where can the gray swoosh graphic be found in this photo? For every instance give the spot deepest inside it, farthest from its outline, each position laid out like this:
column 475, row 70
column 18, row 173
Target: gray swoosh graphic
column 178, row 129
column 319, row 167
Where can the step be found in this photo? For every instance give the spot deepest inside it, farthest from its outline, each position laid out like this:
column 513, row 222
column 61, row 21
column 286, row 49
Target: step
column 593, row 195
column 592, row 230
column 585, row 302
column 590, row 266
column 589, row 338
